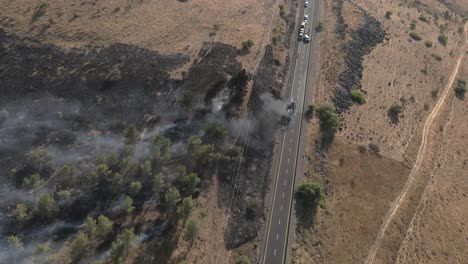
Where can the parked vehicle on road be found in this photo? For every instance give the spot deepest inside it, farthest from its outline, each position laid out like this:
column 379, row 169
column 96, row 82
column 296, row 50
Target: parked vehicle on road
column 306, row 38
column 306, row 4
column 306, row 17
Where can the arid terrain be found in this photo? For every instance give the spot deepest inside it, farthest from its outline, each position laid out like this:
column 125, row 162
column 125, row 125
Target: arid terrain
column 138, row 131
column 383, row 204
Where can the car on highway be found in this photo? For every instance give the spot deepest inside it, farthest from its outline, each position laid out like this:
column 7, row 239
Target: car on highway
column 306, row 17
column 306, row 38
column 306, row 4
column 291, row 107
column 301, row 36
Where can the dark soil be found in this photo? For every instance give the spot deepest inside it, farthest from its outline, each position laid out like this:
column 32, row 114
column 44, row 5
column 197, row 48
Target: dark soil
column 364, row 39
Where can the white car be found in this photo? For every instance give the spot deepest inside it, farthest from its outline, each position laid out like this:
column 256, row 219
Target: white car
column 306, row 4
column 306, row 38
column 306, row 17
column 301, row 30
column 301, row 35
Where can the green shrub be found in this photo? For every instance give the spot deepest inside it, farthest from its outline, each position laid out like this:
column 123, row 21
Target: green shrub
column 388, row 14
column 310, row 193
column 443, row 40
column 243, row 259
column 277, row 62
column 247, row 44
column 415, row 36
column 358, row 97
column 412, row 26
column 423, row 19
column 428, row 43
column 328, row 116
column 436, row 57
column 461, row 89
column 396, row 109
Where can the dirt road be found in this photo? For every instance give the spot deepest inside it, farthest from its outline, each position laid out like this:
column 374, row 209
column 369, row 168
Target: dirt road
column 420, row 157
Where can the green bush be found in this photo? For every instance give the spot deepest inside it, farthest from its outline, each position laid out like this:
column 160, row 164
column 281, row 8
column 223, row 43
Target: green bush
column 437, row 57
column 277, row 62
column 412, row 26
column 388, row 14
column 428, row 43
column 358, row 97
column 396, row 109
column 415, row 36
column 461, row 89
column 443, row 40
column 191, row 231
column 243, row 259
column 247, row 44
column 310, row 193
column 423, row 19
column 328, row 116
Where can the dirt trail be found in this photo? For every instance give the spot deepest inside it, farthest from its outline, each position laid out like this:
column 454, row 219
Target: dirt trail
column 419, row 159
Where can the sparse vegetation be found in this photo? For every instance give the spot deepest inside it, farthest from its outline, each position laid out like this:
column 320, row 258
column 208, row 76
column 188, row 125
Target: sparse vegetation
column 412, row 26
column 15, row 243
column 358, row 97
column 415, row 36
column 428, row 44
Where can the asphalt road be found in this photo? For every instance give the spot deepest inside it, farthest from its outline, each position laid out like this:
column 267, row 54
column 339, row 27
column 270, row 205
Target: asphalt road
column 285, row 165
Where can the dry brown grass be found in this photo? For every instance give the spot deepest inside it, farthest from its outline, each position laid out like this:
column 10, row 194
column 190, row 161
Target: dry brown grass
column 362, row 186
column 167, row 27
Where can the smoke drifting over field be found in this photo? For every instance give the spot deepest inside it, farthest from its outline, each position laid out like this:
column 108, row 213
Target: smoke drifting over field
column 62, row 117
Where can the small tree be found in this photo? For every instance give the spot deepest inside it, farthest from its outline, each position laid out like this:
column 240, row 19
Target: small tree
column 46, row 205
column 188, row 181
column 191, row 231
column 395, row 110
column 64, row 195
column 104, row 226
column 15, row 243
column 388, row 14
column 120, row 247
column 21, row 212
column 215, row 132
column 186, row 207
column 358, row 97
column 130, row 134
column 79, row 247
column 65, row 176
column 415, row 36
column 460, row 89
column 34, row 182
column 158, row 183
column 310, row 193
column 247, row 44
column 443, row 39
column 172, row 196
column 319, row 27
column 43, row 254
column 128, row 204
column 135, row 188
column 187, row 101
column 90, row 227
column 243, row 259
column 328, row 117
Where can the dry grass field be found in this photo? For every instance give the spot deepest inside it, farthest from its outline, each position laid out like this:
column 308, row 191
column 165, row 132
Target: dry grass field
column 428, row 225
column 167, row 27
